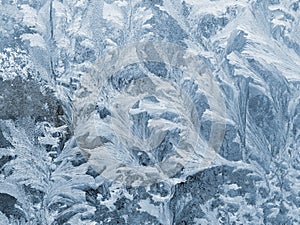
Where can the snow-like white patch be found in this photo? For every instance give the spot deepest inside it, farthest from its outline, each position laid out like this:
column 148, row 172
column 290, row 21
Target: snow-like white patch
column 30, row 15
column 213, row 7
column 113, row 13
column 36, row 40
column 121, row 3
column 157, row 211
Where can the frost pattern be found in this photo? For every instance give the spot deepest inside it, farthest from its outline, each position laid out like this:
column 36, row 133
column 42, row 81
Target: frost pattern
column 48, row 49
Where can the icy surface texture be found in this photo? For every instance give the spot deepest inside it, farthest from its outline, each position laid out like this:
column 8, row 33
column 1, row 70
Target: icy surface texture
column 150, row 112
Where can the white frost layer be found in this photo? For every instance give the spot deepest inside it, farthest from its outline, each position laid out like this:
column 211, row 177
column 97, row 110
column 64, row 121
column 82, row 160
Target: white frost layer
column 112, row 12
